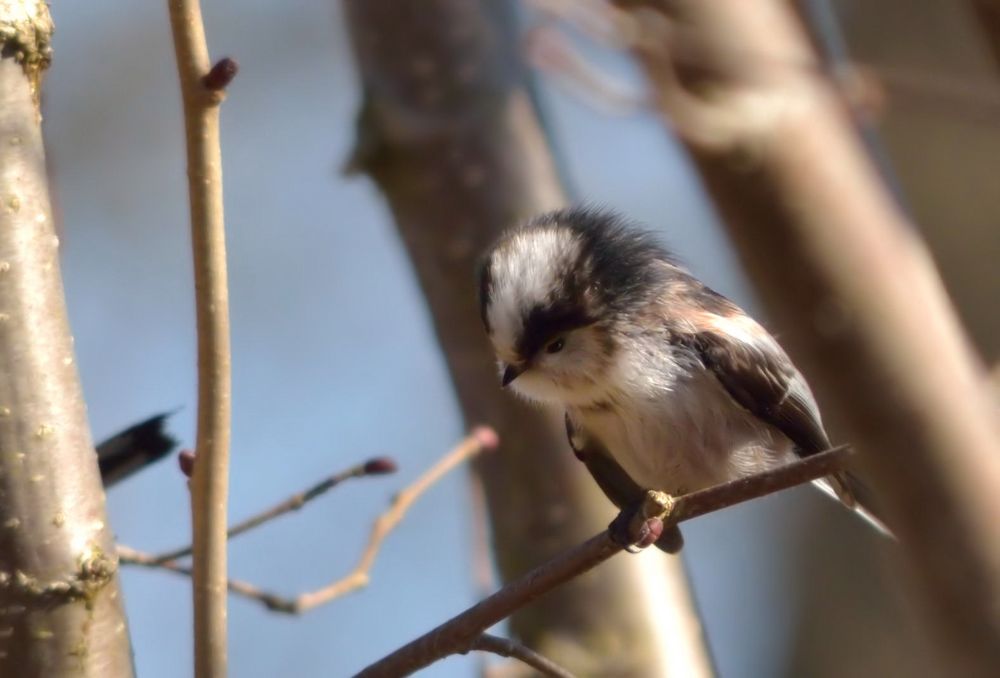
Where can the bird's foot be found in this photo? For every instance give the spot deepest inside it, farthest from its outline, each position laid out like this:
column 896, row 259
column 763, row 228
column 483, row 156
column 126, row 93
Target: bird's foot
column 640, row 526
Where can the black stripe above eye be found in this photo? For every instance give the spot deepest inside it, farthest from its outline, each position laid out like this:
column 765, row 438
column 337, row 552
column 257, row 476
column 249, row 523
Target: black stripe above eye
column 542, row 324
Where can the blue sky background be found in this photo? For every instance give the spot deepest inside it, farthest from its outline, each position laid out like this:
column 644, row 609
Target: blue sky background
column 333, row 354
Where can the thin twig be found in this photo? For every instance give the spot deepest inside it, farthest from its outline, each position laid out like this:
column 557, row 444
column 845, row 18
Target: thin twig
column 458, row 634
column 210, row 484
column 376, row 466
column 481, row 439
column 131, row 556
column 551, row 51
column 505, row 647
column 482, row 562
column 866, row 89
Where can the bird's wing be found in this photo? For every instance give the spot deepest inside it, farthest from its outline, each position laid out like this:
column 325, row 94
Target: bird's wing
column 616, row 484
column 760, row 377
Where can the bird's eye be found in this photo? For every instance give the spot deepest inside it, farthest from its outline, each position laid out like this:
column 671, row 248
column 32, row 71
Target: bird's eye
column 555, row 346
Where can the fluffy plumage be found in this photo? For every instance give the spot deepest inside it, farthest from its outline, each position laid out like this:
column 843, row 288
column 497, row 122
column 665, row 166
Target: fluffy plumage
column 666, row 384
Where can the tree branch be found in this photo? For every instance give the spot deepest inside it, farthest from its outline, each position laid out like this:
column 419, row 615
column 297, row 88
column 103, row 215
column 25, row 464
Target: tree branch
column 481, row 439
column 60, row 603
column 202, row 89
column 504, row 647
column 376, row 466
column 855, row 294
column 458, row 634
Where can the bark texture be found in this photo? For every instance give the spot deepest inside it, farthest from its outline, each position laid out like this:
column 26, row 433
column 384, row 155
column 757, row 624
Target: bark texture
column 449, row 134
column 60, row 610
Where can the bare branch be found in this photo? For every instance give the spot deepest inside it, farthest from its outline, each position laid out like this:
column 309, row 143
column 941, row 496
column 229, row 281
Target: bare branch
column 866, row 90
column 481, row 439
column 505, row 647
column 210, row 482
column 376, row 466
column 458, row 634
column 130, row 556
column 550, row 50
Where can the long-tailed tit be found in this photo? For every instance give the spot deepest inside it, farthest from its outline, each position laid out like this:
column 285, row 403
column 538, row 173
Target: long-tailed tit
column 666, row 384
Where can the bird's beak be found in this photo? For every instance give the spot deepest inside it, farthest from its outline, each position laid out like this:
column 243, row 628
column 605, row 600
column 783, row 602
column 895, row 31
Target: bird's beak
column 510, row 373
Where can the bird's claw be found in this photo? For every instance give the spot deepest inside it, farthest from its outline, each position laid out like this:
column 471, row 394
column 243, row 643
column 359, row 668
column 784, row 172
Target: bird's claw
column 640, row 526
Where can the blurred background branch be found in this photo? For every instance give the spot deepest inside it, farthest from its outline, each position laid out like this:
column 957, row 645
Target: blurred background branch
column 855, row 292
column 449, row 134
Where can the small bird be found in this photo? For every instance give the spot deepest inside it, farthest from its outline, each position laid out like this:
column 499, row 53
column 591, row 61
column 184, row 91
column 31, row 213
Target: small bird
column 666, row 384
column 134, row 449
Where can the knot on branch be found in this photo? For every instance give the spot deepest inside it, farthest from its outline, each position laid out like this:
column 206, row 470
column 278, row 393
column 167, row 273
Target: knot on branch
column 95, row 570
column 26, row 35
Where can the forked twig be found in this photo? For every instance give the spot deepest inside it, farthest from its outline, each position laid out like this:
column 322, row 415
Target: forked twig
column 505, row 647
column 479, row 440
column 377, row 466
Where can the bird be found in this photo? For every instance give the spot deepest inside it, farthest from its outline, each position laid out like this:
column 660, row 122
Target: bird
column 133, row 449
column 665, row 384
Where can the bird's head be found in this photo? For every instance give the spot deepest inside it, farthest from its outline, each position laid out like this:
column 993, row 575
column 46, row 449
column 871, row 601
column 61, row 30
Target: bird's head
column 555, row 296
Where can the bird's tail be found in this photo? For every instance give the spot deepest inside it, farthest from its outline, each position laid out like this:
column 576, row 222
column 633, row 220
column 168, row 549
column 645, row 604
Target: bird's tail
column 134, row 448
column 848, row 490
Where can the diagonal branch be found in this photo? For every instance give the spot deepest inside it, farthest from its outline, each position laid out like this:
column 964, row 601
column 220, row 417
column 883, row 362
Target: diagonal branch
column 481, row 439
column 459, row 634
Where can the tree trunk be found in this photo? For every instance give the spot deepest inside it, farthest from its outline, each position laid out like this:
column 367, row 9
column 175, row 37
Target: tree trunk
column 856, row 296
column 939, row 131
column 60, row 606
column 449, row 134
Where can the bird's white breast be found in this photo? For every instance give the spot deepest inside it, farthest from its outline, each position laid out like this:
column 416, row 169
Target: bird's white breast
column 677, row 429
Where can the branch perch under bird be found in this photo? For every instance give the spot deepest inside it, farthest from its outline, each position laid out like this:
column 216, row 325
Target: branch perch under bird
column 479, row 440
column 659, row 512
